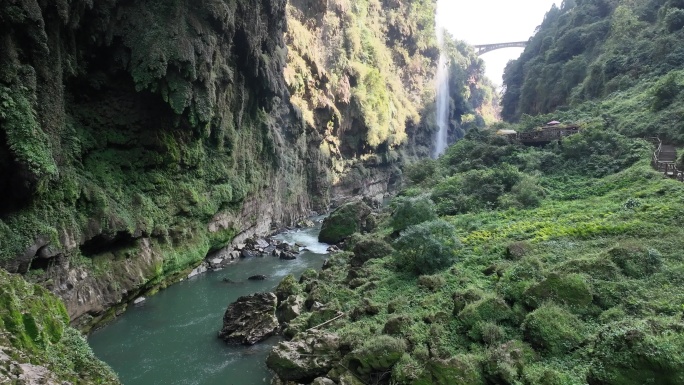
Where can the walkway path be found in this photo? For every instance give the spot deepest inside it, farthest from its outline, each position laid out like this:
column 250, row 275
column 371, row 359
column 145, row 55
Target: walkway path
column 665, row 159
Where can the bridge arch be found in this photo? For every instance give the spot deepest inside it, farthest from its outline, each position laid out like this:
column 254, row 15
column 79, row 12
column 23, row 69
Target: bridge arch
column 484, row 48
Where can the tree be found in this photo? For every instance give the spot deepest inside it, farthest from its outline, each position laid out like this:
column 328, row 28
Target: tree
column 428, row 247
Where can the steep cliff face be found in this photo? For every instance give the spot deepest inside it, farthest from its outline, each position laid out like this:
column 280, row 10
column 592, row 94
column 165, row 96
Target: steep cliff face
column 137, row 137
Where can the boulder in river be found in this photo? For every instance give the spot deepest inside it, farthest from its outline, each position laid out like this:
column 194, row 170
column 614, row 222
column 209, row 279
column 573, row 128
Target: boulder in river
column 245, row 253
column 258, row 277
column 250, row 319
column 288, row 256
column 309, row 355
column 306, row 223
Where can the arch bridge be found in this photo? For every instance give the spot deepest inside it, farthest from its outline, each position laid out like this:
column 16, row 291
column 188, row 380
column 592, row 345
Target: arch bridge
column 484, row 48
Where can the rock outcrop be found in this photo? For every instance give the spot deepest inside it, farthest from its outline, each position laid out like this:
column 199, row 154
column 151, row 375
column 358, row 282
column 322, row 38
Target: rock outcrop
column 345, row 221
column 308, row 356
column 250, row 319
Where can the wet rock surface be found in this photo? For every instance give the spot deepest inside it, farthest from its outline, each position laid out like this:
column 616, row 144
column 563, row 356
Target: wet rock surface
column 250, row 319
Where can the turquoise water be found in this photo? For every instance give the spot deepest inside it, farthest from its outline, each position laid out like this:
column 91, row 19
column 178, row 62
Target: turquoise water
column 171, row 338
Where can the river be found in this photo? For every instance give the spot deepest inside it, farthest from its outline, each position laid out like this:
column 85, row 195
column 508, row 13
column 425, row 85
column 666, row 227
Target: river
column 171, row 338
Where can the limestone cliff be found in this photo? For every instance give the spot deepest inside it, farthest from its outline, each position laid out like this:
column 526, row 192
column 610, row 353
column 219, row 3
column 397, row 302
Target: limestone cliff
column 137, row 137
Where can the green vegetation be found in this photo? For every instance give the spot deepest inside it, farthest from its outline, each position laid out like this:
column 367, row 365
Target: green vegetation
column 34, row 329
column 577, row 285
column 616, row 61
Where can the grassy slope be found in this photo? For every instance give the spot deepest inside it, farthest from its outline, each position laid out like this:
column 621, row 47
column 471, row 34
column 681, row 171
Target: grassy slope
column 584, row 284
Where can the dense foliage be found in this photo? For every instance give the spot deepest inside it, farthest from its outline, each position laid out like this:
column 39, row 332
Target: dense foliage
column 562, row 267
column 620, row 60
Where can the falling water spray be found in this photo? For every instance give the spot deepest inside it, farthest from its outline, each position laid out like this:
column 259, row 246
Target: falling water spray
column 442, row 94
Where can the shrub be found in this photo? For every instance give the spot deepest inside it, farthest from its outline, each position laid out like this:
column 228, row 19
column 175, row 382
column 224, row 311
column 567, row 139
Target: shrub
column 674, row 20
column 421, row 171
column 407, row 370
column 517, row 250
column 525, row 194
column 475, row 189
column 536, row 374
column 431, row 282
column 428, row 247
column 518, row 278
column 287, row 287
column 667, row 88
column 412, row 211
column 553, row 329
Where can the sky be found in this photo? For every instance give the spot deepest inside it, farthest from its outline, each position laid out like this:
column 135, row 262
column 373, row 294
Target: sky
column 493, row 21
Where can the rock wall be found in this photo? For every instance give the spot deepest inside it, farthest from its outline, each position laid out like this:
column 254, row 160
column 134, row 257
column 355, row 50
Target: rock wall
column 138, row 137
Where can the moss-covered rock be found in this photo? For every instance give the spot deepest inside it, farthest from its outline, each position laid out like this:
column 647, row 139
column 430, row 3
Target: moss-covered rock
column 344, row 221
column 488, row 309
column 431, row 282
column 504, row 364
column 465, row 297
column 34, row 329
column 516, row 250
column 571, row 289
column 598, row 268
column 519, row 277
column 553, row 329
column 396, row 325
column 377, row 354
column 636, row 352
column 635, row 260
column 306, row 357
column 369, row 248
column 461, row 369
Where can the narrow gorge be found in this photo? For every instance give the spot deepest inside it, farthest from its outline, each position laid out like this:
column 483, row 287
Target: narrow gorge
column 141, row 138
column 323, row 192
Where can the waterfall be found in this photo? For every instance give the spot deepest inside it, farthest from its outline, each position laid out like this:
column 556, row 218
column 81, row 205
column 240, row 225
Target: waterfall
column 442, row 95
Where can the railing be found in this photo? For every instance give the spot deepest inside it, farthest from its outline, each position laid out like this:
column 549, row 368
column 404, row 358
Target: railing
column 669, row 169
